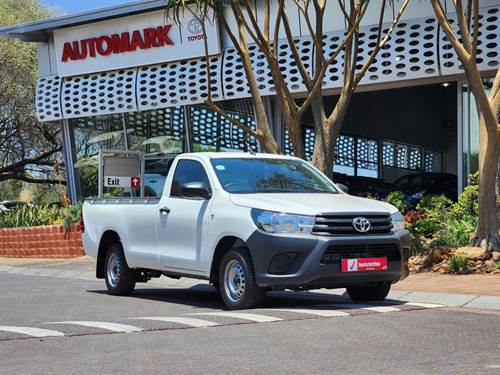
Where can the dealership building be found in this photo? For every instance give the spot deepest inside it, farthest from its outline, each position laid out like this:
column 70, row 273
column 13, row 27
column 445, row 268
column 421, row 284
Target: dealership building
column 129, row 78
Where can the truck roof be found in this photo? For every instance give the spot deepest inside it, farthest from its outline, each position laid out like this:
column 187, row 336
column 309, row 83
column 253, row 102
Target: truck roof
column 237, row 155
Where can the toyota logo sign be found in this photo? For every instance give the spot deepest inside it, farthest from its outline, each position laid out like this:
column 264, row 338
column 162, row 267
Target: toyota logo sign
column 361, row 224
column 194, row 26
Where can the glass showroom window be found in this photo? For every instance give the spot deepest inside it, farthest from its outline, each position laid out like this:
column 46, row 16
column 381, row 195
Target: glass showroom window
column 470, row 131
column 156, row 133
column 212, row 132
column 88, row 135
column 367, row 157
column 159, row 132
column 344, row 156
column 410, row 157
column 354, row 156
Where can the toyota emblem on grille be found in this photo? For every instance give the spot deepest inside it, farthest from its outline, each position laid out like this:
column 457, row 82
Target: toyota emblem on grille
column 361, row 224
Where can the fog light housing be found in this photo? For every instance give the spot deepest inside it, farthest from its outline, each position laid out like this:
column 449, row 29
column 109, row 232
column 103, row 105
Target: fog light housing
column 281, row 263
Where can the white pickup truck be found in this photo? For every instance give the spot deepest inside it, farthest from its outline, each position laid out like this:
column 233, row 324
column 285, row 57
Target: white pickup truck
column 248, row 223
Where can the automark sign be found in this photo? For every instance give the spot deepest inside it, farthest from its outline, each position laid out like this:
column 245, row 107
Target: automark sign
column 126, row 42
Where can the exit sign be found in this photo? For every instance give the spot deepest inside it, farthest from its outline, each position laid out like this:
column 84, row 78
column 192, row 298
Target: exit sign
column 115, row 181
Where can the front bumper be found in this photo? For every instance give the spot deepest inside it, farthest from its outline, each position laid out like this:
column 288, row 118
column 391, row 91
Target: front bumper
column 306, row 270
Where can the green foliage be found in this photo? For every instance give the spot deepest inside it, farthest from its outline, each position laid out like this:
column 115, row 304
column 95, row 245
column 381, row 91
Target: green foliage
column 467, row 204
column 444, row 223
column 71, row 214
column 37, row 215
column 28, row 216
column 434, row 207
column 438, row 242
column 458, row 264
column 474, row 179
column 27, row 149
column 416, row 244
column 89, row 176
column 457, row 233
column 497, row 264
column 397, row 199
column 425, row 228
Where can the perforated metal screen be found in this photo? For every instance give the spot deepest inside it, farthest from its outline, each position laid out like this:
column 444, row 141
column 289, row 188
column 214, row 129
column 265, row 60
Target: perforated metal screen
column 418, row 49
column 213, row 132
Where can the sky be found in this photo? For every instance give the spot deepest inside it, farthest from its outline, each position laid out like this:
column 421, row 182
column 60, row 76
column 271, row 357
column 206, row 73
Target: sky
column 75, row 6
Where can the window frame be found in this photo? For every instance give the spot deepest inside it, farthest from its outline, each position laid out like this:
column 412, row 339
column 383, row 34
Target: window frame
column 177, row 166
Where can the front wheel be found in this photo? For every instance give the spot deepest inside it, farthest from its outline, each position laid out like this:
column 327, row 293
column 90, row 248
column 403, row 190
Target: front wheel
column 368, row 293
column 237, row 285
column 120, row 279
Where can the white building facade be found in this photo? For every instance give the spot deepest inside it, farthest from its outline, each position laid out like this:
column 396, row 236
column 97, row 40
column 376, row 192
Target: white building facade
column 129, row 78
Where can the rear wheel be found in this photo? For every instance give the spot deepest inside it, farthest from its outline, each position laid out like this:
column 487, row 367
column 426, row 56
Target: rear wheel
column 237, row 285
column 120, row 280
column 369, row 293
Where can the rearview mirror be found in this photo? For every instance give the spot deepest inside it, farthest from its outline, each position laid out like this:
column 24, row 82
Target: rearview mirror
column 196, row 189
column 342, row 187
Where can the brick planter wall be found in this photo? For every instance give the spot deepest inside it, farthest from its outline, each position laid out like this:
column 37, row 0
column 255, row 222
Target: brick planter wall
column 52, row 241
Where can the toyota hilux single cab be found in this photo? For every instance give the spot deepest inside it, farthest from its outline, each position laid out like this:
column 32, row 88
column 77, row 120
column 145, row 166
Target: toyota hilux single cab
column 248, row 223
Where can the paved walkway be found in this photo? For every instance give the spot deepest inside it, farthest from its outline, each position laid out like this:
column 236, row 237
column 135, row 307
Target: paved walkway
column 475, row 291
column 468, row 284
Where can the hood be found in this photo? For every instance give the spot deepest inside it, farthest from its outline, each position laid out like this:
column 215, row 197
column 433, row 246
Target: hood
column 311, row 204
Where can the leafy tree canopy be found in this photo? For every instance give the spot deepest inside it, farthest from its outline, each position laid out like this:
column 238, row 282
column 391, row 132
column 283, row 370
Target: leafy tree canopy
column 27, row 148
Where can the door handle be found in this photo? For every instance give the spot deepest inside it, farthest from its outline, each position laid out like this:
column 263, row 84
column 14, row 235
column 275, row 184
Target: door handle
column 164, row 210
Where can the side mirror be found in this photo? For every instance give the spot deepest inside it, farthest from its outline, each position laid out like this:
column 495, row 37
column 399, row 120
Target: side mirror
column 197, row 189
column 342, row 187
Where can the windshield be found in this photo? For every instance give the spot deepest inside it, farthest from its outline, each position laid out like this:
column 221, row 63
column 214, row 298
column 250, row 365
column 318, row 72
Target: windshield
column 270, row 176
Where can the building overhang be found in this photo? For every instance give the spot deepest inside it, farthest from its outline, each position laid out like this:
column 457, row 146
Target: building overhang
column 37, row 31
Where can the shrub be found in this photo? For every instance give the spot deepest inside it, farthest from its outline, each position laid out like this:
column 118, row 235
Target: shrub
column 458, row 264
column 397, row 199
column 434, row 207
column 71, row 214
column 458, row 232
column 467, row 204
column 37, row 215
column 438, row 242
column 415, row 243
column 412, row 217
column 426, row 228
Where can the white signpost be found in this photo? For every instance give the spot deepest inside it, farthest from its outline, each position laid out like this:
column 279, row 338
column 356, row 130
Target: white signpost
column 121, row 169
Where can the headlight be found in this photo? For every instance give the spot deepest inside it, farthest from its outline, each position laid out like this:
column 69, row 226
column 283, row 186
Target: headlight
column 275, row 222
column 398, row 221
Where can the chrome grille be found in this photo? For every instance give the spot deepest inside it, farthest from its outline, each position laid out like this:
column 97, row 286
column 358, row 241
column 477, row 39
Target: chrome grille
column 341, row 224
column 335, row 253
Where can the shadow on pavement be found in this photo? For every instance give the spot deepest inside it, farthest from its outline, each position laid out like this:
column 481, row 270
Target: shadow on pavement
column 206, row 296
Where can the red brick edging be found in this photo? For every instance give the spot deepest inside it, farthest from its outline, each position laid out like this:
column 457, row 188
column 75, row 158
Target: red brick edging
column 51, row 241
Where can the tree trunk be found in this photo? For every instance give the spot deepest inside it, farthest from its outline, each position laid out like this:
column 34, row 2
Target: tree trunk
column 326, row 140
column 296, row 139
column 487, row 234
column 321, row 157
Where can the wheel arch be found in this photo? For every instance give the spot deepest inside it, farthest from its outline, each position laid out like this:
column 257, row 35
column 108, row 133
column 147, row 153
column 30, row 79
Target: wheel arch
column 225, row 244
column 108, row 238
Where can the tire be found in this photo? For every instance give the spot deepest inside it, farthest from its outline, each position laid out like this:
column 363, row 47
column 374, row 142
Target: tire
column 369, row 293
column 237, row 285
column 120, row 280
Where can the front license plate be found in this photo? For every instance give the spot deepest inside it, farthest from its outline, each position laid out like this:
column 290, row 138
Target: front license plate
column 364, row 264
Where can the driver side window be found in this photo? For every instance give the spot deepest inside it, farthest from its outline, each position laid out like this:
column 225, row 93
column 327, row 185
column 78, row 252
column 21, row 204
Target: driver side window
column 187, row 171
